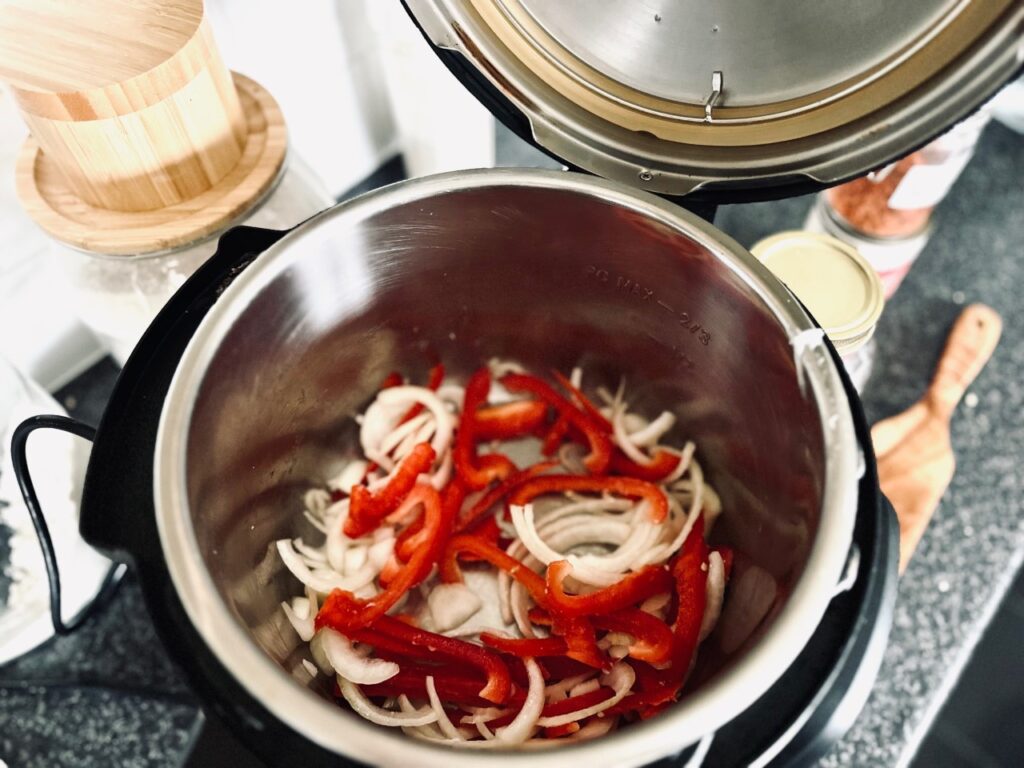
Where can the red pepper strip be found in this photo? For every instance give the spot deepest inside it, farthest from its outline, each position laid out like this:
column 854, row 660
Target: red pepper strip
column 509, row 420
column 663, row 464
column 581, row 641
column 451, row 683
column 367, row 510
column 558, row 731
column 343, row 611
column 449, row 567
column 434, row 380
column 555, row 435
column 491, row 467
column 652, row 638
column 634, row 588
column 595, row 433
column 403, row 547
column 620, row 486
column 583, row 401
column 691, row 588
column 499, row 681
column 415, row 536
column 561, row 667
column 532, row 647
column 487, row 531
column 393, row 379
column 498, row 492
column 584, row 700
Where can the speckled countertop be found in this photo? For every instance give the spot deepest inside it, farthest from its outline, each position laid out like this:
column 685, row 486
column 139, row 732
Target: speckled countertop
column 965, row 563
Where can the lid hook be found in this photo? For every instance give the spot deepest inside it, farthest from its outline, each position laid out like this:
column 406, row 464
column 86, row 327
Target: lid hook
column 716, row 94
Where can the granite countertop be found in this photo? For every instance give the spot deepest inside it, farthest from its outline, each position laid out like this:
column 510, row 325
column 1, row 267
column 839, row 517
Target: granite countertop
column 963, row 567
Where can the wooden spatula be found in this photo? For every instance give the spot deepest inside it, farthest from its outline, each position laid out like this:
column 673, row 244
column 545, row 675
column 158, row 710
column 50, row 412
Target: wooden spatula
column 915, row 458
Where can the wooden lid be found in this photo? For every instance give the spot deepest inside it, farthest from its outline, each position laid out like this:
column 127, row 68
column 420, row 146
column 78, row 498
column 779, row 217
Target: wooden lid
column 57, row 208
column 129, row 98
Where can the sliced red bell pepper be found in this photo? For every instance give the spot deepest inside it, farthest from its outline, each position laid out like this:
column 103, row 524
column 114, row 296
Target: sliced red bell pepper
column 509, row 420
column 415, row 536
column 486, row 530
column 531, row 646
column 499, row 681
column 367, row 510
column 652, row 638
column 596, row 434
column 574, row 703
column 663, row 464
column 342, row 610
column 393, row 379
column 434, row 380
column 449, row 567
column 498, row 492
column 476, row 473
column 690, row 572
column 450, row 682
column 583, row 401
column 554, row 436
column 620, row 486
column 581, row 641
column 634, row 588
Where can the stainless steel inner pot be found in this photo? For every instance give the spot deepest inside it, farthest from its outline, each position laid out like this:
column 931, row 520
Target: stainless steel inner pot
column 553, row 269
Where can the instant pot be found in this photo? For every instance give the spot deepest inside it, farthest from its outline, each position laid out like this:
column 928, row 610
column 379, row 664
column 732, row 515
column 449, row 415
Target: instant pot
column 240, row 391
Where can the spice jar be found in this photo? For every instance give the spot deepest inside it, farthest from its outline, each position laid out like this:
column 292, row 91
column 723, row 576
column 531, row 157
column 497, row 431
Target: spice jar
column 838, row 287
column 897, row 201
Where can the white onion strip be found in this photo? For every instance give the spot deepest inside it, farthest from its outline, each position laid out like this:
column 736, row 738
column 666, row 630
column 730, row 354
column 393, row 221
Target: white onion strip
column 443, row 722
column 620, row 679
column 362, row 706
column 521, row 728
column 352, row 666
column 715, row 590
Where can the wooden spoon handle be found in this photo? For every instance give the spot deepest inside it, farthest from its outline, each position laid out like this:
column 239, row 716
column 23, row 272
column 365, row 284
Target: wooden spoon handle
column 969, row 346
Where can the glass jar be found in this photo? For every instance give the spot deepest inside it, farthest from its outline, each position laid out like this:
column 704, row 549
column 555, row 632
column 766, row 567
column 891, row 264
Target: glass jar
column 897, row 201
column 837, row 286
column 117, row 297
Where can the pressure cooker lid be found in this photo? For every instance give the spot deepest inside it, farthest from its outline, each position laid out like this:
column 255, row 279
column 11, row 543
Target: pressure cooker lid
column 732, row 100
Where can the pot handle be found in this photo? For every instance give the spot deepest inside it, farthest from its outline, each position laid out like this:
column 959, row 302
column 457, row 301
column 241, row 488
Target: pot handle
column 19, row 460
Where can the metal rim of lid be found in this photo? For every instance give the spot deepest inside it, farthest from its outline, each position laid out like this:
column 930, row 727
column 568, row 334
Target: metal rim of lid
column 948, row 77
column 858, row 329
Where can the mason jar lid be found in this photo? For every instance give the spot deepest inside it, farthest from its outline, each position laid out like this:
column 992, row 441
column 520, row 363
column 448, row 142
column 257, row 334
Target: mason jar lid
column 834, row 282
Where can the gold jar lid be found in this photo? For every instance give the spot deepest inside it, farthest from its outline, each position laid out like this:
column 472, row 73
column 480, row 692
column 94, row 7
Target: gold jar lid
column 835, row 283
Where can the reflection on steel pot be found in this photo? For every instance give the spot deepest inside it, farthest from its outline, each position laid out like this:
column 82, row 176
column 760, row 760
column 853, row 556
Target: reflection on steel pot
column 553, row 270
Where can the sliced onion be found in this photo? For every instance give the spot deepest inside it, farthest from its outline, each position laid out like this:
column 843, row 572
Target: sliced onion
column 315, row 554
column 406, row 396
column 310, row 667
column 316, row 500
column 379, row 552
column 685, row 457
column 620, row 679
column 352, row 474
column 355, row 558
column 451, row 605
column 558, row 691
column 446, row 726
column 652, row 432
column 361, row 705
column 350, row 664
column 584, row 687
column 411, row 427
column 715, row 590
column 520, row 729
column 315, row 521
column 484, row 714
column 300, row 617
column 321, row 580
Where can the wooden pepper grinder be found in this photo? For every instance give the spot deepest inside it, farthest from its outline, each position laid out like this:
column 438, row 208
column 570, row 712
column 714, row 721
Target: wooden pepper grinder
column 142, row 140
